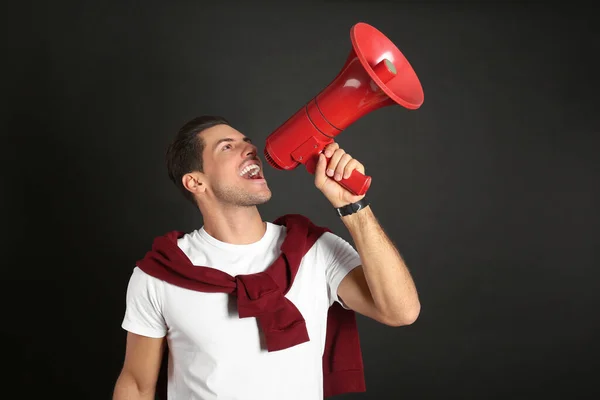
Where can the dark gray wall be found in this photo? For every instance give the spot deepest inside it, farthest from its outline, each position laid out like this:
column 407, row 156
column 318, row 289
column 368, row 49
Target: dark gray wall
column 490, row 190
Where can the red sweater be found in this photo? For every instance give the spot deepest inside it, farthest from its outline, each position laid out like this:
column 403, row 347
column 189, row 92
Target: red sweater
column 262, row 295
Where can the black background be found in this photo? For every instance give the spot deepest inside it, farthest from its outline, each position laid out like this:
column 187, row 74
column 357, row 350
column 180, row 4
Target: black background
column 489, row 190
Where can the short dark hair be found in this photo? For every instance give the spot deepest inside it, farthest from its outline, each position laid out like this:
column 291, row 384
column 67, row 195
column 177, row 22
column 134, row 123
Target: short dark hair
column 184, row 153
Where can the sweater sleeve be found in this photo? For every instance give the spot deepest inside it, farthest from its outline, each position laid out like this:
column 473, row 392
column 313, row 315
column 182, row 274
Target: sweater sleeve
column 341, row 258
column 143, row 313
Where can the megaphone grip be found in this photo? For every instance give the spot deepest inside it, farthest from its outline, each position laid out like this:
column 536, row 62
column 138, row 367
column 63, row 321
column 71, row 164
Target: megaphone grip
column 357, row 183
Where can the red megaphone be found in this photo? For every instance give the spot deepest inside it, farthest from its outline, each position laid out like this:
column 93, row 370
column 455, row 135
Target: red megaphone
column 376, row 74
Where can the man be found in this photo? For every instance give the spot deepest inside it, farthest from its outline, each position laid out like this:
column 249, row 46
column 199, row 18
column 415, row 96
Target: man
column 216, row 351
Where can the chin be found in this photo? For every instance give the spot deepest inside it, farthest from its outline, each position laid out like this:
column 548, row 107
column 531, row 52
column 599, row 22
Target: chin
column 255, row 198
column 265, row 199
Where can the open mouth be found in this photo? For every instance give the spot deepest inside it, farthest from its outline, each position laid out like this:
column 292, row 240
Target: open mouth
column 251, row 172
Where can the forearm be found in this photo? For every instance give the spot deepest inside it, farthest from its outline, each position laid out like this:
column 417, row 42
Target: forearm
column 390, row 283
column 126, row 388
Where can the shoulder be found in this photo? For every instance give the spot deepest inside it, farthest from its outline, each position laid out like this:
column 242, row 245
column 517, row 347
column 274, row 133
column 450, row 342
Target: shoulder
column 185, row 240
column 332, row 242
column 144, row 289
column 139, row 278
column 169, row 242
column 299, row 220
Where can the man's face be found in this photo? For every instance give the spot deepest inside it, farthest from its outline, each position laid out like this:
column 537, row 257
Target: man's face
column 232, row 168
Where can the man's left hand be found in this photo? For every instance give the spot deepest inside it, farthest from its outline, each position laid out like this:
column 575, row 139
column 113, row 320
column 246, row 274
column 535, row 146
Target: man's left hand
column 329, row 172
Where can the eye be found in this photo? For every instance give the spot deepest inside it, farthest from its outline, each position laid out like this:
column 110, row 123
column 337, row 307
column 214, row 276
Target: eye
column 226, row 147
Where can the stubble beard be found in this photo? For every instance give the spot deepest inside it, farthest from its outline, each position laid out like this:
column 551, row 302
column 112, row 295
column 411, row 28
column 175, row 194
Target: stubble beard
column 236, row 197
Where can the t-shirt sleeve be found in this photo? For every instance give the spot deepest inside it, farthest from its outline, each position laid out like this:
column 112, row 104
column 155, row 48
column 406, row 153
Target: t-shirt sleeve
column 143, row 313
column 341, row 258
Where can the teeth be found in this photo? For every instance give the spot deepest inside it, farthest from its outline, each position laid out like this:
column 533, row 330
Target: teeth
column 251, row 170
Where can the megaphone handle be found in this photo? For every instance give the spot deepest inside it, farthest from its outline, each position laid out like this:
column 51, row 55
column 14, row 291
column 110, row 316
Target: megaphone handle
column 357, row 183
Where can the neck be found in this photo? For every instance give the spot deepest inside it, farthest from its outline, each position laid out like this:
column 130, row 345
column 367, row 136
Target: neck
column 234, row 225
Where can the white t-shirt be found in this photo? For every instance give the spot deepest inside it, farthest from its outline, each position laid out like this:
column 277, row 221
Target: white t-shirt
column 215, row 354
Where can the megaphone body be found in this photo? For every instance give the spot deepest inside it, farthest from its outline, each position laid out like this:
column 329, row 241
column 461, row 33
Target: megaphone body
column 376, row 74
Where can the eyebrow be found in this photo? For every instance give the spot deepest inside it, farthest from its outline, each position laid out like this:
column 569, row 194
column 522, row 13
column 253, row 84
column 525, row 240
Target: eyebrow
column 246, row 139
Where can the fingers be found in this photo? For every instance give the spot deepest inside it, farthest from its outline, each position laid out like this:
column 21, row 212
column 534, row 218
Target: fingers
column 342, row 164
column 352, row 165
column 320, row 177
column 334, row 161
column 330, row 149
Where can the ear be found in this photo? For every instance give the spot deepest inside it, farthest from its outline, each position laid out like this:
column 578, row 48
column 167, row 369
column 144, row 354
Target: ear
column 194, row 182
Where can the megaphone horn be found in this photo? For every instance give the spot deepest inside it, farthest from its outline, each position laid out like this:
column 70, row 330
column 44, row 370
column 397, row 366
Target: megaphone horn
column 376, row 74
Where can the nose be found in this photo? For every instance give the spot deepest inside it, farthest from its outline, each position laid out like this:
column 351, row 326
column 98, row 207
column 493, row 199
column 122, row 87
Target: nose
column 250, row 151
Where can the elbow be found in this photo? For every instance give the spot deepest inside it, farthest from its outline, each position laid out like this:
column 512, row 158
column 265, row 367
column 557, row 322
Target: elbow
column 128, row 386
column 404, row 317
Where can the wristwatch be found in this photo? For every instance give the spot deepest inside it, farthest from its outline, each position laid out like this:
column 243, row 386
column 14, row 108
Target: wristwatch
column 352, row 207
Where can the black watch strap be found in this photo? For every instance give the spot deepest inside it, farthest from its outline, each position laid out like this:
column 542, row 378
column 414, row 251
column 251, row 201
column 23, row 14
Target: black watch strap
column 353, row 207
